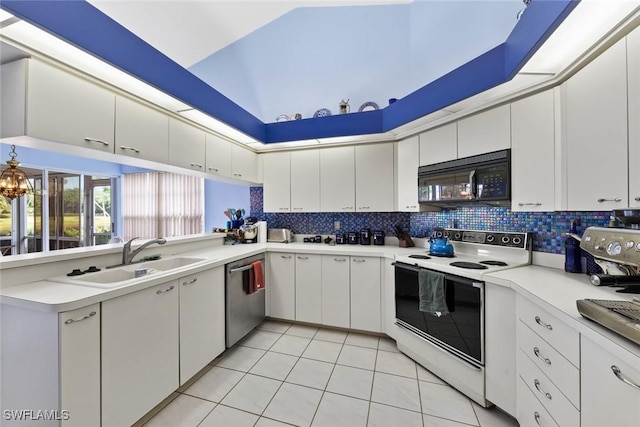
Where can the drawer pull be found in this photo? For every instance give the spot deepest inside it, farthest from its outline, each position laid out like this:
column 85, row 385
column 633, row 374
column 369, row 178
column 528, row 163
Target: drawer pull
column 124, row 147
column 617, row 199
column 541, row 323
column 359, row 260
column 170, row 288
column 530, row 204
column 536, row 416
column 618, row 373
column 544, row 393
column 190, row 282
column 303, row 257
column 536, row 351
column 340, row 259
column 285, row 256
column 69, row 321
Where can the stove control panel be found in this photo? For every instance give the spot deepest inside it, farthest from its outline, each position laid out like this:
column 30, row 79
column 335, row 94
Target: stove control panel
column 613, row 244
column 494, row 238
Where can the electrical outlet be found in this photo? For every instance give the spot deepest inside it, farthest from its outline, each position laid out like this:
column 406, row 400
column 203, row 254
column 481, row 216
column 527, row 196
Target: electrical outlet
column 336, row 225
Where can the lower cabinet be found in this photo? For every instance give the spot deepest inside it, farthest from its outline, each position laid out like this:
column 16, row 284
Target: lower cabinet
column 335, row 301
column 139, row 352
column 308, row 288
column 365, row 294
column 282, row 286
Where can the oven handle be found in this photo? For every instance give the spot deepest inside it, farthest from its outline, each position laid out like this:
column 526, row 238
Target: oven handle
column 459, row 279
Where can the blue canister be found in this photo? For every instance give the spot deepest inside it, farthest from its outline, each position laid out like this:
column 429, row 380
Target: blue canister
column 572, row 252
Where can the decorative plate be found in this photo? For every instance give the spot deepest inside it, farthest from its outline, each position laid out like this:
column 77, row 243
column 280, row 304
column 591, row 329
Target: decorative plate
column 323, row 112
column 368, row 106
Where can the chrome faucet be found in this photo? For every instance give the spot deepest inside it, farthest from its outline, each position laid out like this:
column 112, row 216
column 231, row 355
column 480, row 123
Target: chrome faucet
column 127, row 255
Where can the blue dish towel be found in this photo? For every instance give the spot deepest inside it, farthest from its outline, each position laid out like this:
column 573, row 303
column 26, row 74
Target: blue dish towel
column 432, row 292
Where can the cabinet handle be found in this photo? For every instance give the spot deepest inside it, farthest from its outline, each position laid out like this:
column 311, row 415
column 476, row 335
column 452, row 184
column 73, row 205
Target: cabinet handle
column 411, row 207
column 237, row 174
column 536, row 416
column 124, row 147
column 297, row 209
column 196, row 165
column 536, row 351
column 303, row 257
column 340, row 259
column 359, row 260
column 364, row 207
column 637, row 199
column 190, row 282
column 617, row 199
column 541, row 323
column 285, row 256
column 284, row 209
column 214, row 169
column 347, row 207
column 544, row 393
column 618, row 373
column 169, row 289
column 99, row 141
column 69, row 321
column 530, row 204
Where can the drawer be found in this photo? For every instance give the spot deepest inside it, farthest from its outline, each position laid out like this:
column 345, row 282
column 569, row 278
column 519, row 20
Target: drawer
column 530, row 412
column 556, row 403
column 558, row 369
column 562, row 337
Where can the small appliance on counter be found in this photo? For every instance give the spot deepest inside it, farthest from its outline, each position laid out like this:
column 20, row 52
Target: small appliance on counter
column 352, row 237
column 341, row 239
column 279, row 235
column 365, row 236
column 378, row 237
column 249, row 230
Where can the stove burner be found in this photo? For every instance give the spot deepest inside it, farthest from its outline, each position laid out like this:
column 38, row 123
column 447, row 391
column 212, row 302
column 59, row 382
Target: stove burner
column 441, row 255
column 470, row 265
column 497, row 263
column 420, row 256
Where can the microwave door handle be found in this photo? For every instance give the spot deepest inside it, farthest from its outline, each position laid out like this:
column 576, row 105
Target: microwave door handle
column 472, row 183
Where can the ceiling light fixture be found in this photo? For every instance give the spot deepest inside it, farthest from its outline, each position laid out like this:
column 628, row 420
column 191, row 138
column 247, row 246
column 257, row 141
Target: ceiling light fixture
column 13, row 181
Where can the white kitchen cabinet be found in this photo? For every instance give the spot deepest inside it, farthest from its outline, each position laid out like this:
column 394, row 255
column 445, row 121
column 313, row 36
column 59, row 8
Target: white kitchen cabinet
column 186, row 145
column 485, row 132
column 282, row 285
column 596, row 133
column 439, row 144
column 139, row 352
column 218, row 155
column 610, row 386
column 308, row 288
column 633, row 82
column 335, row 300
column 277, row 182
column 533, row 153
column 42, row 101
column 244, row 163
column 202, row 320
column 305, row 181
column 142, row 132
column 407, row 164
column 375, row 183
column 365, row 294
column 337, row 179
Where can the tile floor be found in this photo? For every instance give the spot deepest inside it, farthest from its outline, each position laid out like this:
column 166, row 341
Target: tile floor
column 286, row 374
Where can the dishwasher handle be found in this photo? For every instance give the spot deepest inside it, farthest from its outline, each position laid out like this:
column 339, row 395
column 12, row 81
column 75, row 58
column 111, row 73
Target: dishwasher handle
column 243, row 268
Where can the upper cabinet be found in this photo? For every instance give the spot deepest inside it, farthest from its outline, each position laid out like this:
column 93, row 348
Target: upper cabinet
column 337, row 179
column 633, row 80
column 141, row 131
column 45, row 102
column 375, row 184
column 186, row 145
column 439, row 145
column 218, row 155
column 277, row 182
column 244, row 163
column 408, row 158
column 305, row 181
column 485, row 132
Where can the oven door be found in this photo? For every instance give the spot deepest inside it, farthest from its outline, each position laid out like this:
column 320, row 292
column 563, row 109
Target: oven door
column 461, row 332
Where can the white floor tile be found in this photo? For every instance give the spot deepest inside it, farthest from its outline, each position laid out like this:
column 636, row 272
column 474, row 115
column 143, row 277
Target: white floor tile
column 358, row 357
column 362, row 340
column 396, row 391
column 274, row 326
column 446, row 402
column 302, row 331
column 290, row 344
column 266, row 422
column 430, row 421
column 351, row 382
column 311, row 373
column 294, row 404
column 223, row 416
column 252, row 394
column 396, row 364
column 322, row 350
column 261, row 339
column 185, row 411
column 241, row 358
column 274, row 365
column 331, row 335
column 493, row 417
column 341, row 411
column 388, row 416
column 425, row 375
column 387, row 344
column 215, row 384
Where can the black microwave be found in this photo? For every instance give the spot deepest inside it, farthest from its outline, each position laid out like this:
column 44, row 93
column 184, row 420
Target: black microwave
column 483, row 179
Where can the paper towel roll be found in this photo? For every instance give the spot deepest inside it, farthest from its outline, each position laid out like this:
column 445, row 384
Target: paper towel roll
column 262, row 231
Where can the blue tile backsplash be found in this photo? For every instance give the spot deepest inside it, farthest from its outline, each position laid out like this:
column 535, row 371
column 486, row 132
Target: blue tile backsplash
column 547, row 226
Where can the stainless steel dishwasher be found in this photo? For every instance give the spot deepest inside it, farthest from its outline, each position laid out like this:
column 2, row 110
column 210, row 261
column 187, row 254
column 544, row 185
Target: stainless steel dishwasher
column 243, row 311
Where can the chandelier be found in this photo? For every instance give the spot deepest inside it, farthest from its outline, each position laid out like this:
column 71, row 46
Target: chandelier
column 13, row 181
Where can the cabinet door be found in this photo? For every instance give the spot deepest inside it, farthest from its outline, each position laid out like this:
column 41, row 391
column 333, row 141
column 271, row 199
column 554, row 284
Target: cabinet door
column 63, row 107
column 201, row 320
column 282, row 286
column 336, row 307
column 596, row 161
column 141, row 131
column 485, row 132
column 308, row 288
column 532, row 153
column 80, row 366
column 407, row 171
column 139, row 353
column 186, row 146
column 375, row 178
column 633, row 75
column 606, row 399
column 439, row 144
column 277, row 182
column 337, row 179
column 218, row 154
column 305, row 181
column 365, row 294
column 244, row 163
